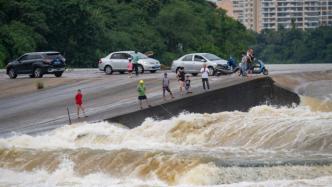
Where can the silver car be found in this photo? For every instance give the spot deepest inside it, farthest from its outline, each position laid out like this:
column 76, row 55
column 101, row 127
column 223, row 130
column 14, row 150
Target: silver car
column 118, row 62
column 192, row 63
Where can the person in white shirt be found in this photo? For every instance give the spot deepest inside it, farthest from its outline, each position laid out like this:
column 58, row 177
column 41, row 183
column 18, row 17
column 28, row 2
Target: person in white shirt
column 205, row 77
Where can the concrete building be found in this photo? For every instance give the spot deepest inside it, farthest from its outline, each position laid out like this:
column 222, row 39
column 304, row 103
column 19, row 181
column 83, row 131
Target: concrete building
column 275, row 14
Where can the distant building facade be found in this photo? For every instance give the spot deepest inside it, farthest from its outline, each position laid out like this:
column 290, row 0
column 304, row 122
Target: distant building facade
column 275, row 14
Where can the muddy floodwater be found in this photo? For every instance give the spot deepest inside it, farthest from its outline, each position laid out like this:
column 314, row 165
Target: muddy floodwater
column 266, row 146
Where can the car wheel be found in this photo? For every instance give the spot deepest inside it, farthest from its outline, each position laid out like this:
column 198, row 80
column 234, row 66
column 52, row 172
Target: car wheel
column 108, row 70
column 194, row 74
column 12, row 74
column 211, row 71
column 38, row 73
column 58, row 74
column 153, row 71
column 140, row 69
column 122, row 72
column 265, row 72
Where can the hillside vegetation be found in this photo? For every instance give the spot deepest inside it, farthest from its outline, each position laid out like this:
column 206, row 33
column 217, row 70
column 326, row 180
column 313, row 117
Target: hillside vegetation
column 86, row 30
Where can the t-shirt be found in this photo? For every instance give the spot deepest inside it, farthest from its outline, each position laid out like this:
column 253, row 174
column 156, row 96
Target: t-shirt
column 130, row 66
column 78, row 98
column 205, row 73
column 187, row 83
column 135, row 58
column 181, row 76
column 141, row 90
column 165, row 82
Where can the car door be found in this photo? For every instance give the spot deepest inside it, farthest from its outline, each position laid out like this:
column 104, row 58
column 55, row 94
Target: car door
column 124, row 61
column 21, row 62
column 28, row 64
column 198, row 62
column 116, row 60
column 188, row 63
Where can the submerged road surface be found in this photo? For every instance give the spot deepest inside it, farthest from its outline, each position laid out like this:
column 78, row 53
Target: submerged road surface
column 24, row 109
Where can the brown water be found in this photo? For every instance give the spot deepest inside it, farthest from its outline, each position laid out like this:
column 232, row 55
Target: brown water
column 266, row 146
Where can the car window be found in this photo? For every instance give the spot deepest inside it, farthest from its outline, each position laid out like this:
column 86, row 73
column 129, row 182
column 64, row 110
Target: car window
column 53, row 55
column 198, row 58
column 126, row 56
column 120, row 56
column 116, row 56
column 140, row 55
column 211, row 57
column 33, row 57
column 25, row 57
column 188, row 58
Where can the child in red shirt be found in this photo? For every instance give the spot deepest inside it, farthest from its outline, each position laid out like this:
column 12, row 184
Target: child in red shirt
column 130, row 68
column 79, row 103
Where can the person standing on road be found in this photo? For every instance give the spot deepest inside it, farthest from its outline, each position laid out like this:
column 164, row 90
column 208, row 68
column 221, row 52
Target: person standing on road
column 130, row 68
column 135, row 62
column 250, row 60
column 166, row 83
column 141, row 94
column 205, row 77
column 187, row 84
column 243, row 65
column 79, row 103
column 181, row 79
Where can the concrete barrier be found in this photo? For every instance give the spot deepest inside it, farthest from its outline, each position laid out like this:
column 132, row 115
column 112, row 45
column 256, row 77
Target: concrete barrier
column 237, row 97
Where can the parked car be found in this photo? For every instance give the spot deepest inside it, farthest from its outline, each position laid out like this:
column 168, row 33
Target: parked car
column 36, row 64
column 118, row 62
column 193, row 63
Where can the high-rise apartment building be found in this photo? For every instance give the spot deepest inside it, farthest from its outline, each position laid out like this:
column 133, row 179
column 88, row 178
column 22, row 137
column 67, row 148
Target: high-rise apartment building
column 275, row 14
column 326, row 12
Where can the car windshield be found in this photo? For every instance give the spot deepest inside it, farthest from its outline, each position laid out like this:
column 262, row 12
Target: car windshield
column 140, row 55
column 211, row 57
column 53, row 55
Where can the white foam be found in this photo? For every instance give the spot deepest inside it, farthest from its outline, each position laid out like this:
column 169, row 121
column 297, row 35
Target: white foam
column 263, row 127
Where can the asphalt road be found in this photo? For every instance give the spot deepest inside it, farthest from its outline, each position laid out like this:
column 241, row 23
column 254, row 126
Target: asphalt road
column 24, row 109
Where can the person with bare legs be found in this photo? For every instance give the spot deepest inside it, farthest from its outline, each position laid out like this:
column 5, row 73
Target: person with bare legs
column 130, row 68
column 79, row 103
column 181, row 79
column 141, row 94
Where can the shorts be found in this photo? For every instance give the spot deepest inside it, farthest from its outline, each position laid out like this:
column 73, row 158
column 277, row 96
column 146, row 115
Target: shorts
column 143, row 97
column 166, row 89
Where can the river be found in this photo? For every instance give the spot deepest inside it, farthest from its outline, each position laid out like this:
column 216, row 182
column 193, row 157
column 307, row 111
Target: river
column 266, row 146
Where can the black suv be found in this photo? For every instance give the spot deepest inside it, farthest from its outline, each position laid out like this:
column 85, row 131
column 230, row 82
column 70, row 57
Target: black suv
column 37, row 64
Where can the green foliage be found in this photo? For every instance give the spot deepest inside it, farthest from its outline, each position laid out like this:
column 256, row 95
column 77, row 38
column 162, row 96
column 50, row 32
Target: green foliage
column 295, row 46
column 86, row 30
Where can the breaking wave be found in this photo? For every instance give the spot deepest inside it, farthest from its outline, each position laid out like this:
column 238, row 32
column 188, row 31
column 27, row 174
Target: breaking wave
column 264, row 146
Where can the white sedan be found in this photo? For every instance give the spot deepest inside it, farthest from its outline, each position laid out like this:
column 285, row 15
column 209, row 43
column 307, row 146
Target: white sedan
column 192, row 63
column 118, row 62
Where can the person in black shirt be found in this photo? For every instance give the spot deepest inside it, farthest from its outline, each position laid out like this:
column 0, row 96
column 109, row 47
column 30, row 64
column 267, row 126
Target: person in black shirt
column 181, row 79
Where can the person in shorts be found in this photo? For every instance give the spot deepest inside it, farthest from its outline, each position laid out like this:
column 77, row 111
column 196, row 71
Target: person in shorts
column 181, row 79
column 141, row 94
column 79, row 103
column 166, row 83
